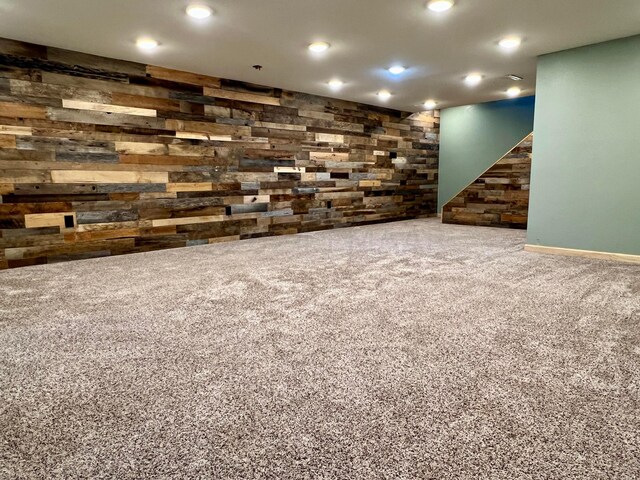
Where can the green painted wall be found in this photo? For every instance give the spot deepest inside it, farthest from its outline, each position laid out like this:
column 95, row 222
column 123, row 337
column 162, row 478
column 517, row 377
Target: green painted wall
column 474, row 137
column 585, row 183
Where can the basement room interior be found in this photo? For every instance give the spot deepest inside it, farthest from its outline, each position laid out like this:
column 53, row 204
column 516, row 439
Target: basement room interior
column 285, row 239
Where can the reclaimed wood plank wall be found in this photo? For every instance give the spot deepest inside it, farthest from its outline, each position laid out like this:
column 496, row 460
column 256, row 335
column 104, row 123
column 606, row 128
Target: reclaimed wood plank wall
column 499, row 197
column 105, row 157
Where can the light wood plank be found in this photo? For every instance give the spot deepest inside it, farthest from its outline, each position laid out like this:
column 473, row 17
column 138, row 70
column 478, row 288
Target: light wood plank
column 101, row 176
column 329, row 138
column 188, row 220
column 38, row 220
column 15, row 130
column 101, row 107
column 329, row 156
column 189, row 187
column 289, row 169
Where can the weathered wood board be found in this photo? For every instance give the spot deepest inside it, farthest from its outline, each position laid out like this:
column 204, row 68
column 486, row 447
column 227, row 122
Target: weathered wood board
column 106, row 157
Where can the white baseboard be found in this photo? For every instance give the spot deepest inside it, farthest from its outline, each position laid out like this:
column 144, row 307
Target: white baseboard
column 618, row 257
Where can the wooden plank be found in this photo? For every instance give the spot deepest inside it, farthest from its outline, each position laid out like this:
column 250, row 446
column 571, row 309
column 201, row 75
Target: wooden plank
column 105, row 118
column 315, row 114
column 95, row 62
column 165, row 159
column 188, row 220
column 335, row 195
column 230, row 238
column 91, row 236
column 101, row 107
column 204, row 136
column 182, row 77
column 329, row 156
column 216, row 111
column 329, row 138
column 158, row 104
column 208, row 128
column 22, row 49
column 71, row 248
column 141, row 148
column 240, row 96
column 369, row 183
column 103, row 85
column 246, row 199
column 39, row 220
column 15, row 130
column 7, row 141
column 280, row 126
column 26, row 164
column 22, row 110
column 99, row 176
column 289, row 169
column 24, row 176
column 189, row 187
column 46, row 90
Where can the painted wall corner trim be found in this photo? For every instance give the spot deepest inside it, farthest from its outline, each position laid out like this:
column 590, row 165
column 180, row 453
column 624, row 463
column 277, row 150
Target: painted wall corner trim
column 572, row 252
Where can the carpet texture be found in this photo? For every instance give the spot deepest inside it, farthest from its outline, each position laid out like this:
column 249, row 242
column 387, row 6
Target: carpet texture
column 398, row 351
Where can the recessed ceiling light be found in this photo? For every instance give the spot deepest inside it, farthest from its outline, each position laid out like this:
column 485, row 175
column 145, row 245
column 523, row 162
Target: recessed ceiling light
column 336, row 83
column 319, row 47
column 384, row 94
column 473, row 79
column 146, row 43
column 510, row 43
column 430, row 104
column 514, row 92
column 440, row 5
column 199, row 11
column 397, row 69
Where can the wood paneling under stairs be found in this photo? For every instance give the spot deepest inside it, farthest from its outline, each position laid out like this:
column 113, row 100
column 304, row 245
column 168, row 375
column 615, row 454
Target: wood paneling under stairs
column 499, row 197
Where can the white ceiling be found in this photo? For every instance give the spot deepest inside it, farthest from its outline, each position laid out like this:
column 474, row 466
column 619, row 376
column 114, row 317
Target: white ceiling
column 366, row 36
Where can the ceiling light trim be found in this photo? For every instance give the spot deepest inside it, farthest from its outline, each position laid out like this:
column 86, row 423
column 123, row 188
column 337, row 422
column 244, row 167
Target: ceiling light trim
column 510, row 42
column 396, row 69
column 513, row 92
column 430, row 105
column 199, row 11
column 147, row 44
column 319, row 47
column 440, row 6
column 473, row 79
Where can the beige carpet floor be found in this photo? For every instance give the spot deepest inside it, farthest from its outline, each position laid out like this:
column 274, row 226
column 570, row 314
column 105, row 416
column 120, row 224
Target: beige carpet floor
column 397, row 351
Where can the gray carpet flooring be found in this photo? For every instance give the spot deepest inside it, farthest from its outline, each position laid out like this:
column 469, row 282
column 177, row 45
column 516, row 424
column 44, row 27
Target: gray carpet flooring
column 397, row 351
